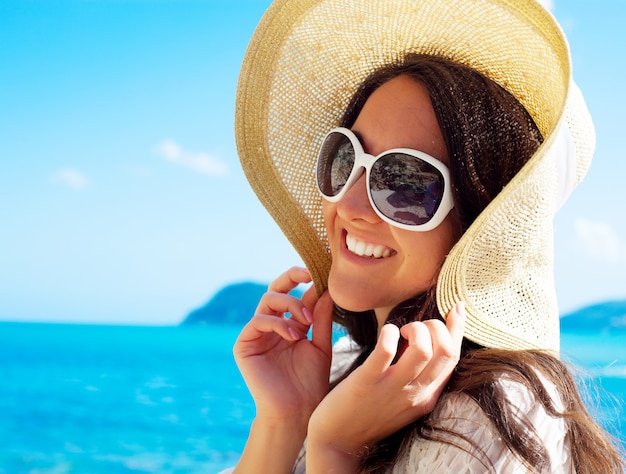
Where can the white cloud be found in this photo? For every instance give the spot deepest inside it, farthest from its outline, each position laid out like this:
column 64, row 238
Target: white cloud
column 600, row 241
column 198, row 162
column 70, row 177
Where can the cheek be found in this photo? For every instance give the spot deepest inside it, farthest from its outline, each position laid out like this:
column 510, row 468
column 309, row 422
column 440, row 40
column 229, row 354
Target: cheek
column 328, row 212
column 429, row 249
column 447, row 238
column 325, row 205
column 455, row 226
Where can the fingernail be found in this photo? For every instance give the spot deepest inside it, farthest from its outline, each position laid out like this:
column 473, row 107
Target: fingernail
column 293, row 333
column 460, row 308
column 308, row 315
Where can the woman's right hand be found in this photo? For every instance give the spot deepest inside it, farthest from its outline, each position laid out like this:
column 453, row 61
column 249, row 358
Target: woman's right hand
column 286, row 373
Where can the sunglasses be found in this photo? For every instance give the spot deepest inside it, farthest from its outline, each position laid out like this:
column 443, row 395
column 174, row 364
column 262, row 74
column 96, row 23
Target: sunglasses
column 407, row 188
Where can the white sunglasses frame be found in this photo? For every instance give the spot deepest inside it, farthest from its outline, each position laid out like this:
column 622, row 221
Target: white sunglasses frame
column 365, row 161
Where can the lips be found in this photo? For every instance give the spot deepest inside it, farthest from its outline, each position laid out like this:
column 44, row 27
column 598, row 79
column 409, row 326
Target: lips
column 366, row 249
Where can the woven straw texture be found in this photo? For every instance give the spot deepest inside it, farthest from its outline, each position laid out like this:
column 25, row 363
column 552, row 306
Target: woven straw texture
column 503, row 265
column 304, row 63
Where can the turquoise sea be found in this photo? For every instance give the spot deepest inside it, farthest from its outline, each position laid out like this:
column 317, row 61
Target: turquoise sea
column 109, row 399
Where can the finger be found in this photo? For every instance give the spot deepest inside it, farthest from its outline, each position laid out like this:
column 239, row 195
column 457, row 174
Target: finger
column 262, row 325
column 455, row 322
column 277, row 304
column 289, row 280
column 323, row 323
column 449, row 341
column 309, row 298
column 418, row 352
column 446, row 348
column 446, row 344
column 445, row 354
column 385, row 350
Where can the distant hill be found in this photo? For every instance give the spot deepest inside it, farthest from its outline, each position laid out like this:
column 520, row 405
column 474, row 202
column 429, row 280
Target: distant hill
column 233, row 304
column 599, row 318
column 236, row 303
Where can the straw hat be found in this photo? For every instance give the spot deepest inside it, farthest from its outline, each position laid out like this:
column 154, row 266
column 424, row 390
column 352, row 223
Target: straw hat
column 305, row 61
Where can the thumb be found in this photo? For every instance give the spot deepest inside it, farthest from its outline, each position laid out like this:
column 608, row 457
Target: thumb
column 323, row 323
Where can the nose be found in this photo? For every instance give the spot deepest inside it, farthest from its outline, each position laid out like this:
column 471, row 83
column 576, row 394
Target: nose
column 355, row 204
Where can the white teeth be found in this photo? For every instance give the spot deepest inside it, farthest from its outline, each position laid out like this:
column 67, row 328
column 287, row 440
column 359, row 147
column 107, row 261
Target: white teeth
column 363, row 249
column 359, row 248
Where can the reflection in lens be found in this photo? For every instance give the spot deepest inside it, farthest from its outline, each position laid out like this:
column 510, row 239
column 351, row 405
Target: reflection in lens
column 406, row 188
column 335, row 163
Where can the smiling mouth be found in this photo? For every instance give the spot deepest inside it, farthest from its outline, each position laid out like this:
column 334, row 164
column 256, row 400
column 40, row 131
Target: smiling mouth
column 364, row 249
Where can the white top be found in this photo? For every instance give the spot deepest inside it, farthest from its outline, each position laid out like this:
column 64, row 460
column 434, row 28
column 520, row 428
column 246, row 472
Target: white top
column 462, row 414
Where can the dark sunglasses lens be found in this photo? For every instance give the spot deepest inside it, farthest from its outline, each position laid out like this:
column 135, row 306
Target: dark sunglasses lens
column 405, row 188
column 334, row 164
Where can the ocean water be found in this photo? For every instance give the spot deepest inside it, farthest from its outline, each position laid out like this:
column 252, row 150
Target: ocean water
column 107, row 399
column 101, row 399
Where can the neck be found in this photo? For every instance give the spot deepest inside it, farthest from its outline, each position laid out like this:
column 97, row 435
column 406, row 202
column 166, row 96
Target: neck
column 382, row 314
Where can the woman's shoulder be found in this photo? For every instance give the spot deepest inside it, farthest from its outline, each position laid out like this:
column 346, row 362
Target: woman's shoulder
column 476, row 445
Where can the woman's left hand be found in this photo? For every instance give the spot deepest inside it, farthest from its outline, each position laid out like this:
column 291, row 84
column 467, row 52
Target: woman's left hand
column 379, row 397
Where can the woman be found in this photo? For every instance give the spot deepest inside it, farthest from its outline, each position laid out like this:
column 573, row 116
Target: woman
column 446, row 106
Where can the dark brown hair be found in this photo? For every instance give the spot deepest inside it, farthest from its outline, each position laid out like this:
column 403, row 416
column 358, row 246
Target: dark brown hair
column 489, row 137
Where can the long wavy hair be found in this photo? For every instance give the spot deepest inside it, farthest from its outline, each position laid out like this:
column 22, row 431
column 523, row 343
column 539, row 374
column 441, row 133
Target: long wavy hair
column 489, row 137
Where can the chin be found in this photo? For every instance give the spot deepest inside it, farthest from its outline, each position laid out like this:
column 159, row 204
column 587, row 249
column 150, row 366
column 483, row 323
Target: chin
column 349, row 302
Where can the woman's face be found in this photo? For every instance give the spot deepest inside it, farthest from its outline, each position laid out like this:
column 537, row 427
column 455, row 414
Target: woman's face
column 399, row 114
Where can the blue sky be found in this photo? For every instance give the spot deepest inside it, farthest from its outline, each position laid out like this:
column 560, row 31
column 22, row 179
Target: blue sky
column 121, row 197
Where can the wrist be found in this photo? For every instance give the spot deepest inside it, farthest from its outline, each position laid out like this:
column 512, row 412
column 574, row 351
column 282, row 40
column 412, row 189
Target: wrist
column 274, row 444
column 335, row 437
column 288, row 431
column 325, row 457
column 293, row 423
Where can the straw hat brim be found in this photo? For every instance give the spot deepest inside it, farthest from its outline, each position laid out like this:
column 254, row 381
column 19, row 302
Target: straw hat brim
column 305, row 61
